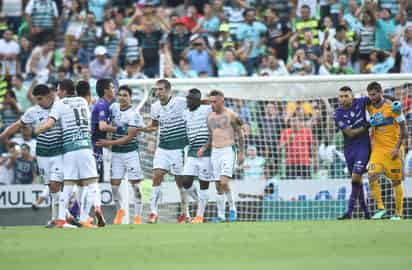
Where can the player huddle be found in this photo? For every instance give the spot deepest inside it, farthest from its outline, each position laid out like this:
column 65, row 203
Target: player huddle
column 375, row 145
column 71, row 138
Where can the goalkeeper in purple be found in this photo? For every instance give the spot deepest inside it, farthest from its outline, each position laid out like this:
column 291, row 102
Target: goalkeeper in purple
column 350, row 117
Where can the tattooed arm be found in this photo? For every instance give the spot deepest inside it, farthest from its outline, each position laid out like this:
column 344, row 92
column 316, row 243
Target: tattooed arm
column 237, row 126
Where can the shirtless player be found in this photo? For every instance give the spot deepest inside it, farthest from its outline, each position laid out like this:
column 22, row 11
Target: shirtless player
column 224, row 125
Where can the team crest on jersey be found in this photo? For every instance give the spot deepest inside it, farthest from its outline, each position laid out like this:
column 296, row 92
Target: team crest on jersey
column 101, row 113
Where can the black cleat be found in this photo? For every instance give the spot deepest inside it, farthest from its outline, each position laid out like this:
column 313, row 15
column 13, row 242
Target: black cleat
column 344, row 217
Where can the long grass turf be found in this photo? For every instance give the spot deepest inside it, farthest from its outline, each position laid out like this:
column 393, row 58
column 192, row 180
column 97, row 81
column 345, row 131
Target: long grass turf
column 281, row 245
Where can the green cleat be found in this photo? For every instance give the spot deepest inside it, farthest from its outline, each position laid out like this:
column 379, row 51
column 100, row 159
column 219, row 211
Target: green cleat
column 379, row 214
column 396, row 217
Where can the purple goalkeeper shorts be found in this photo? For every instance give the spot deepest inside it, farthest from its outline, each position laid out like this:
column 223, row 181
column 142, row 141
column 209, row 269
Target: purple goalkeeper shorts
column 357, row 160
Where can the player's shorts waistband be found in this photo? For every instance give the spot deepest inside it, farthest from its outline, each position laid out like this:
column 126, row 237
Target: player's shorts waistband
column 223, row 149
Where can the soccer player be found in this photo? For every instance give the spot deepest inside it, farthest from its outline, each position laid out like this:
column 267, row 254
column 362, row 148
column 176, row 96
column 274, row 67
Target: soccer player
column 388, row 134
column 167, row 116
column 49, row 148
column 223, row 126
column 73, row 114
column 125, row 155
column 350, row 117
column 101, row 117
column 198, row 135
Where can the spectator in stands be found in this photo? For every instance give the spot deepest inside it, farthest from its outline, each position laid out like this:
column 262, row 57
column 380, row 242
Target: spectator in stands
column 405, row 50
column 101, row 67
column 25, row 170
column 339, row 43
column 352, row 17
column 9, row 50
column 114, row 33
column 89, row 37
column 183, row 70
column 132, row 71
column 9, row 111
column 306, row 22
column 208, row 24
column 385, row 27
column 250, row 138
column 200, row 56
column 278, row 34
column 228, row 66
column 26, row 138
column 367, row 38
column 24, row 97
column 297, row 143
column 326, row 63
column 85, row 76
column 13, row 11
column 381, row 62
column 40, row 62
column 271, row 124
column 276, row 67
column 7, row 161
column 312, row 51
column 97, row 8
column 24, row 55
column 253, row 166
column 300, row 65
column 41, row 16
column 178, row 41
column 251, row 36
column 342, row 67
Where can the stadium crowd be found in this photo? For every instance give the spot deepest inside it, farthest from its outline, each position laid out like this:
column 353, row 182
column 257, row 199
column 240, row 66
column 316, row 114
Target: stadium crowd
column 45, row 41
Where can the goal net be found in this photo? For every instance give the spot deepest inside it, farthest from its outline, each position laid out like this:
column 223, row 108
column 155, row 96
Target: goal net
column 307, row 170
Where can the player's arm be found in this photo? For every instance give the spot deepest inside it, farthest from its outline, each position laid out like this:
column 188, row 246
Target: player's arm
column 237, row 126
column 403, row 138
column 46, row 125
column 11, row 130
column 131, row 133
column 154, row 125
column 104, row 126
column 208, row 144
column 354, row 132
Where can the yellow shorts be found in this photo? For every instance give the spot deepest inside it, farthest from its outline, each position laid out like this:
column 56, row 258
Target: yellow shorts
column 381, row 162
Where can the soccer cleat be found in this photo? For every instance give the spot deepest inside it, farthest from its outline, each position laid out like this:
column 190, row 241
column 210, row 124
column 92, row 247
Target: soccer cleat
column 232, row 216
column 137, row 220
column 218, row 220
column 379, row 214
column 182, row 219
column 87, row 225
column 101, row 222
column 152, row 218
column 344, row 217
column 119, row 216
column 396, row 217
column 50, row 224
column 60, row 223
column 197, row 220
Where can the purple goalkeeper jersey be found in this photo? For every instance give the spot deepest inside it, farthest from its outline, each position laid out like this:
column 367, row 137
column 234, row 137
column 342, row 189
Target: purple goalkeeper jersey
column 100, row 112
column 357, row 149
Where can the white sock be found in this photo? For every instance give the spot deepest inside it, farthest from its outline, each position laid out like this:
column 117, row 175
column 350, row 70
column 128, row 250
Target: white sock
column 221, row 205
column 117, row 197
column 138, row 205
column 80, row 193
column 184, row 196
column 45, row 193
column 90, row 201
column 55, row 205
column 98, row 200
column 231, row 200
column 154, row 200
column 64, row 201
column 202, row 202
column 192, row 191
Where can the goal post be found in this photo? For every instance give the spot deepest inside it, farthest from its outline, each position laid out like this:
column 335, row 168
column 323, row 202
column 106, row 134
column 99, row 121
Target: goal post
column 311, row 184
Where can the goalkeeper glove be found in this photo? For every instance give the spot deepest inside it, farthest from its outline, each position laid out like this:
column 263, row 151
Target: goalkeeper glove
column 376, row 119
column 396, row 107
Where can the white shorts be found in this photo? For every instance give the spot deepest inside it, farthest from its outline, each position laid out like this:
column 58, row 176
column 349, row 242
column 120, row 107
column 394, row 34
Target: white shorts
column 129, row 163
column 223, row 162
column 200, row 167
column 79, row 165
column 51, row 168
column 169, row 160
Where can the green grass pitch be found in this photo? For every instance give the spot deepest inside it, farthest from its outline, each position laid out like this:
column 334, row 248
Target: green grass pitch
column 281, row 245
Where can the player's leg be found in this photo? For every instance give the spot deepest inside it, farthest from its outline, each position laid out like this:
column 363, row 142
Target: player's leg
column 64, row 202
column 394, row 172
column 175, row 159
column 354, row 195
column 363, row 204
column 202, row 201
column 226, row 175
column 225, row 185
column 87, row 173
column 375, row 169
column 158, row 175
column 398, row 190
column 118, row 173
column 135, row 176
column 220, row 203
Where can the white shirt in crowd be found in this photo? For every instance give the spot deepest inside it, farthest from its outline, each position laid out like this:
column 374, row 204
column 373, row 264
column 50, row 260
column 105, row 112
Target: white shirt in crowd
column 12, row 8
column 11, row 47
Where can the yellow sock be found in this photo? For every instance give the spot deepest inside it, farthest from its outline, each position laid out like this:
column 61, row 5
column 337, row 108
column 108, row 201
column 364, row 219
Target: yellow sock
column 376, row 192
column 398, row 199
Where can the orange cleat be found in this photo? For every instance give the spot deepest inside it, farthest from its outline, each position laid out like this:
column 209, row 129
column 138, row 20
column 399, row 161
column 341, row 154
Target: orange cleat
column 197, row 220
column 137, row 220
column 87, row 225
column 119, row 216
column 152, row 218
column 59, row 223
column 101, row 222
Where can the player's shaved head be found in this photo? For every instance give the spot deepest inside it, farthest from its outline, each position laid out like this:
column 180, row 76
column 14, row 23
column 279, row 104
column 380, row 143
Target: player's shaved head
column 216, row 93
column 217, row 100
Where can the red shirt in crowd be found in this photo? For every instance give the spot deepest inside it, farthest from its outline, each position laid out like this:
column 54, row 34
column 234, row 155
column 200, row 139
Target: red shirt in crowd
column 297, row 150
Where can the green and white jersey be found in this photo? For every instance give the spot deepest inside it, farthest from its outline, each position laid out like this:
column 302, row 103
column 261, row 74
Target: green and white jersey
column 49, row 143
column 125, row 119
column 172, row 128
column 74, row 115
column 196, row 129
